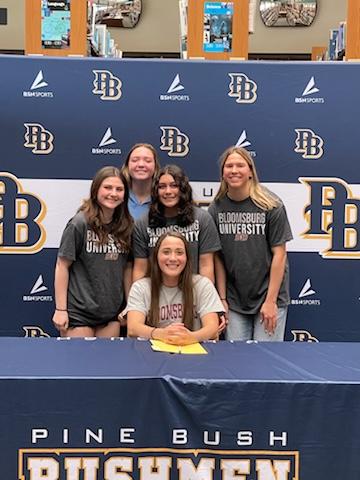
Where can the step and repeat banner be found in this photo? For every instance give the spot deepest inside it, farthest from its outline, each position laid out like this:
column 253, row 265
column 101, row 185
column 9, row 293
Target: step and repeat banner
column 63, row 119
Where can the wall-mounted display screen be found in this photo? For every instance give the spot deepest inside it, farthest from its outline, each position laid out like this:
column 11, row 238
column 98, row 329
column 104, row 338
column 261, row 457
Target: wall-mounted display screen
column 118, row 13
column 55, row 24
column 288, row 13
column 218, row 26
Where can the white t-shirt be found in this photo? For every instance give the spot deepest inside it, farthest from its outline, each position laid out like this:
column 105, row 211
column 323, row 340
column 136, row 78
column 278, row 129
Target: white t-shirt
column 206, row 300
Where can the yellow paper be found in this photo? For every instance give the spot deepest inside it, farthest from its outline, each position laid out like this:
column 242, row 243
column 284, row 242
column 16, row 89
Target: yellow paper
column 193, row 349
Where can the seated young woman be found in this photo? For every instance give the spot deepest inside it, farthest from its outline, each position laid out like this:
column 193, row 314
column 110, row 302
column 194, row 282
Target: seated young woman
column 173, row 305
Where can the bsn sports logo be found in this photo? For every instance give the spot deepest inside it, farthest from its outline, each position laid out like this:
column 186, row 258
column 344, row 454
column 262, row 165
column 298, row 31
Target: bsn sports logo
column 173, row 141
column 308, row 144
column 243, row 142
column 310, row 89
column 306, row 291
column 303, row 336
column 333, row 214
column 21, row 214
column 242, row 88
column 32, row 331
column 38, row 83
column 103, row 148
column 37, row 288
column 175, row 86
column 38, row 139
column 107, row 85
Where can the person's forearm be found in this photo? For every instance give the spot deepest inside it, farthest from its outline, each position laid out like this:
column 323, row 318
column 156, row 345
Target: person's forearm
column 205, row 333
column 209, row 329
column 140, row 330
column 61, row 286
column 277, row 271
column 140, row 269
column 206, row 266
column 127, row 279
column 220, row 276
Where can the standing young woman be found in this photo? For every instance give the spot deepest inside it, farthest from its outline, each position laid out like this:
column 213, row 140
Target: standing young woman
column 140, row 166
column 252, row 270
column 173, row 305
column 172, row 209
column 92, row 271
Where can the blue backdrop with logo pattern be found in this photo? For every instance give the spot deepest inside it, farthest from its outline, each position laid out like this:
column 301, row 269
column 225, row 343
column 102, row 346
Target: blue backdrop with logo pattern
column 63, row 119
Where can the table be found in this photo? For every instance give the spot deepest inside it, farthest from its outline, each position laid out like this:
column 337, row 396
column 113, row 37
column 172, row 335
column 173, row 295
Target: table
column 113, row 409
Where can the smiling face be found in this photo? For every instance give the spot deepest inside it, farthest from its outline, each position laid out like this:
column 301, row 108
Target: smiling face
column 169, row 193
column 141, row 164
column 171, row 259
column 237, row 173
column 110, row 194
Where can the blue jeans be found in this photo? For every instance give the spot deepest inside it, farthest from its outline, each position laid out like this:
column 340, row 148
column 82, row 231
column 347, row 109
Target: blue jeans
column 249, row 327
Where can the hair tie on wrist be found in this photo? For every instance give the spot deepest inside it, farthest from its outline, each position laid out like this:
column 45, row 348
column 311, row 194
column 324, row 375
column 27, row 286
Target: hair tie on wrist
column 60, row 310
column 151, row 333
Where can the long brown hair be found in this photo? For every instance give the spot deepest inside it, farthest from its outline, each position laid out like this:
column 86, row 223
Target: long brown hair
column 122, row 223
column 185, row 284
column 125, row 167
column 260, row 195
column 186, row 213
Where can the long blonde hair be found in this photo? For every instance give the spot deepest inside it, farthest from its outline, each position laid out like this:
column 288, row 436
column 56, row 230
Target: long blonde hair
column 260, row 195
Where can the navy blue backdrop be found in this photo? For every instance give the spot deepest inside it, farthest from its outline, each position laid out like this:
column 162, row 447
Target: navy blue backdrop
column 64, row 119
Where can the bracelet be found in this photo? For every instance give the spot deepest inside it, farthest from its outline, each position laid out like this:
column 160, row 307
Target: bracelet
column 60, row 310
column 222, row 299
column 151, row 333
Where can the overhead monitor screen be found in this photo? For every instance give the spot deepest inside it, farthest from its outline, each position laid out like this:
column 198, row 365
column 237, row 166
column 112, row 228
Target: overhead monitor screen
column 55, row 24
column 218, row 26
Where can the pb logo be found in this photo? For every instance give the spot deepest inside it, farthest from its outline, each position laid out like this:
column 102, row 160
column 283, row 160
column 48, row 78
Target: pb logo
column 333, row 214
column 35, row 332
column 39, row 139
column 303, row 336
column 242, row 88
column 308, row 144
column 174, row 142
column 107, row 85
column 21, row 215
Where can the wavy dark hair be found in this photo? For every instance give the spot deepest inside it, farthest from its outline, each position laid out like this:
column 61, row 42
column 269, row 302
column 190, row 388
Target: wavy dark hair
column 185, row 284
column 122, row 223
column 186, row 214
column 125, row 167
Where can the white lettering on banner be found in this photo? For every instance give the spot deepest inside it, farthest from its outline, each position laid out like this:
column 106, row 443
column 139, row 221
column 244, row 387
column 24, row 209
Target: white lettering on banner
column 145, row 464
column 38, row 94
column 179, row 436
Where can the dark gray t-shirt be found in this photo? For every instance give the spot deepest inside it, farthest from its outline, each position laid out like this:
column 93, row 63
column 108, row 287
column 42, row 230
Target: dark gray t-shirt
column 201, row 235
column 247, row 234
column 95, row 291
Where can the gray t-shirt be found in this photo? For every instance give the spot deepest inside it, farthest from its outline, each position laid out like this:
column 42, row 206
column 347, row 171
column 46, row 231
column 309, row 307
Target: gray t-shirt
column 247, row 234
column 201, row 235
column 206, row 300
column 95, row 291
